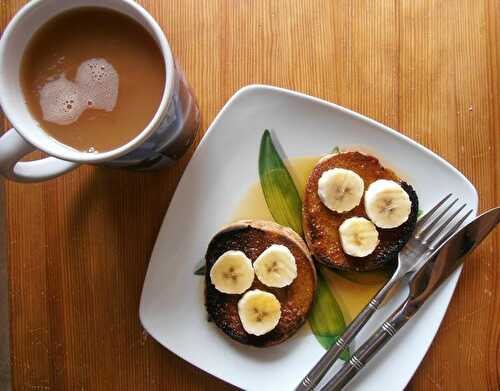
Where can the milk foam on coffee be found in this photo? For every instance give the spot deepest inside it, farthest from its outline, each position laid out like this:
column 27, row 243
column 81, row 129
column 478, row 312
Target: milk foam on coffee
column 95, row 87
column 93, row 78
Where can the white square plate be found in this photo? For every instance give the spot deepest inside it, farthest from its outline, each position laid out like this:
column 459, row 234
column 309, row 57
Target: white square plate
column 220, row 172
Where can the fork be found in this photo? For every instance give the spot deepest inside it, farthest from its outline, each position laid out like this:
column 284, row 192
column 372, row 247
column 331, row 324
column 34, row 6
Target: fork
column 410, row 259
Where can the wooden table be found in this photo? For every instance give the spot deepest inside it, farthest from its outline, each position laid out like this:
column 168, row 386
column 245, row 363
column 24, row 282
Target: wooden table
column 79, row 246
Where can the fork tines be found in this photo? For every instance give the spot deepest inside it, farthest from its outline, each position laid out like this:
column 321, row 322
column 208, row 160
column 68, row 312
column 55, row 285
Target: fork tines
column 434, row 237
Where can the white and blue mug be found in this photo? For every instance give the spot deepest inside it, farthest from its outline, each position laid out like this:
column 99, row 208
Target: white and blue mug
column 167, row 136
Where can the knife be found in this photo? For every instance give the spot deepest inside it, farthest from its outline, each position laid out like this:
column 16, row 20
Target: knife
column 445, row 260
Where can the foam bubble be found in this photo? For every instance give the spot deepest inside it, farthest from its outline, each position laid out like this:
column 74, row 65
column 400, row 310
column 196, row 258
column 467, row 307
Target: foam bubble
column 98, row 81
column 60, row 100
column 95, row 86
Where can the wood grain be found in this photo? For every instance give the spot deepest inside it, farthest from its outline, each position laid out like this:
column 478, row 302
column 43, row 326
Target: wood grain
column 78, row 246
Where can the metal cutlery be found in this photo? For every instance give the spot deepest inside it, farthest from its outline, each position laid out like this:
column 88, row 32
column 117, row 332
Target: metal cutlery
column 423, row 284
column 427, row 237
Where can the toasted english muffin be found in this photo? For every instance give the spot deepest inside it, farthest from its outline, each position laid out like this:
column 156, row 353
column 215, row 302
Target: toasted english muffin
column 253, row 237
column 321, row 225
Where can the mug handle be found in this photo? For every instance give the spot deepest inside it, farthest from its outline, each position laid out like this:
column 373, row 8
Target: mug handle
column 13, row 147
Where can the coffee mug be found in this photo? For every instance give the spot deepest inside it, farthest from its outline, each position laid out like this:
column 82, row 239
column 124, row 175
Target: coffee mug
column 167, row 136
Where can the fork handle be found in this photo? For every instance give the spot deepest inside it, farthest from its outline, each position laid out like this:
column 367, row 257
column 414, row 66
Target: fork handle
column 370, row 348
column 315, row 375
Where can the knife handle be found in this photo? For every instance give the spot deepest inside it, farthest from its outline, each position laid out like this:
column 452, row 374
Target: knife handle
column 371, row 347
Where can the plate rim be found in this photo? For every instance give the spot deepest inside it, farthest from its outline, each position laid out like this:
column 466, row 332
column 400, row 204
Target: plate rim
column 283, row 91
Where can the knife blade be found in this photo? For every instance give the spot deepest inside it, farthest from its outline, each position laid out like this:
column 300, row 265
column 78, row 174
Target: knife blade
column 450, row 256
column 444, row 261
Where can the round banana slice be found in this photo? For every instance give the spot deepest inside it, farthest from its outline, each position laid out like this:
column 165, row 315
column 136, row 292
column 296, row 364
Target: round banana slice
column 340, row 189
column 358, row 236
column 276, row 266
column 387, row 204
column 232, row 272
column 259, row 312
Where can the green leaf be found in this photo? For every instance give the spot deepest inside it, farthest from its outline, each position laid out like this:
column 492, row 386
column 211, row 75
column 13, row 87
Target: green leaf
column 199, row 269
column 326, row 319
column 420, row 213
column 284, row 204
column 374, row 277
column 279, row 190
column 335, row 149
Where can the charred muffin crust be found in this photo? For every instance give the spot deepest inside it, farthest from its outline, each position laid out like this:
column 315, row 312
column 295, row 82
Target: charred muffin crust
column 253, row 237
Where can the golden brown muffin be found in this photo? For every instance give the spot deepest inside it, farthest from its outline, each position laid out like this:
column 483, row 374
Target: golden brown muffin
column 321, row 225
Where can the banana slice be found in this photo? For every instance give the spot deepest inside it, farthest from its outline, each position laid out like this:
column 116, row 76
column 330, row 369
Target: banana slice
column 358, row 236
column 276, row 266
column 232, row 272
column 259, row 312
column 340, row 189
column 387, row 204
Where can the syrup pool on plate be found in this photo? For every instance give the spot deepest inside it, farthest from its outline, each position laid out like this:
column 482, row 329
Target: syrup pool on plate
column 351, row 296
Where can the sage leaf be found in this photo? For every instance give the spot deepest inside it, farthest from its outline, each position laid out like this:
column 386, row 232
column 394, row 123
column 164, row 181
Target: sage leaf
column 326, row 319
column 375, row 277
column 284, row 203
column 280, row 192
column 199, row 269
